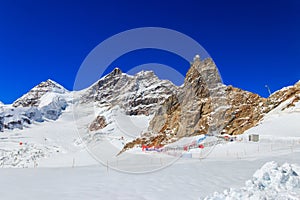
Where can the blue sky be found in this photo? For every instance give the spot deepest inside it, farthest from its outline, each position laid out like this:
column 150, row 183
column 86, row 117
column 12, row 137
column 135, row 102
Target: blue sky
column 253, row 42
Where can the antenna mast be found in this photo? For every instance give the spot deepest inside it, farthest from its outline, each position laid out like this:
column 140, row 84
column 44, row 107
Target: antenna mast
column 268, row 89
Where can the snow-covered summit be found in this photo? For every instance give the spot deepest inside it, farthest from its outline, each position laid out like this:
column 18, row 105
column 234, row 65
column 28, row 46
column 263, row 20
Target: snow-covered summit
column 32, row 98
column 47, row 100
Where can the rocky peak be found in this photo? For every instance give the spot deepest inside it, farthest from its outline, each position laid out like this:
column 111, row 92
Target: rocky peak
column 204, row 106
column 32, row 98
column 138, row 94
column 189, row 111
column 115, row 72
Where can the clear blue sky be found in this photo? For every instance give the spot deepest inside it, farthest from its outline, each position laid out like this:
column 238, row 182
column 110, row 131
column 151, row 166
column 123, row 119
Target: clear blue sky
column 252, row 42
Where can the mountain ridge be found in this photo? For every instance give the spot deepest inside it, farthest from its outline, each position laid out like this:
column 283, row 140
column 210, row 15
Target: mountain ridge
column 177, row 111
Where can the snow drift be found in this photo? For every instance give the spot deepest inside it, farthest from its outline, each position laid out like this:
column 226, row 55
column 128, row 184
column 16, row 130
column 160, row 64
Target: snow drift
column 271, row 181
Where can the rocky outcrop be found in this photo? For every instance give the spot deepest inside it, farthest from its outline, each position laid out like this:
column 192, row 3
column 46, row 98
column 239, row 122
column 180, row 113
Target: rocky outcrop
column 98, row 123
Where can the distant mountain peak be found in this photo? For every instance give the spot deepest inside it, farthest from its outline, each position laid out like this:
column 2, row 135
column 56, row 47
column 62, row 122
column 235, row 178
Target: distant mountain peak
column 51, row 85
column 32, row 98
column 137, row 94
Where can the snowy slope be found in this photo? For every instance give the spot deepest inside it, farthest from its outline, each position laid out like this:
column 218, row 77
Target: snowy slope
column 280, row 122
column 185, row 179
column 41, row 142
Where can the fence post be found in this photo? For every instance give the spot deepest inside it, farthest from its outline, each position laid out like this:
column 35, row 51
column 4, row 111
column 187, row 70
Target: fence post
column 107, row 166
column 73, row 163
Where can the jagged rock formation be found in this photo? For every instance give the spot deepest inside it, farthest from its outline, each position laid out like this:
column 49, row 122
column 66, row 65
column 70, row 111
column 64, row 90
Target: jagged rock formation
column 197, row 109
column 205, row 106
column 138, row 94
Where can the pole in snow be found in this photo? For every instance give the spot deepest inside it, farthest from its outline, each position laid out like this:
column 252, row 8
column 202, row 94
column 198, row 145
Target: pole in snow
column 73, row 163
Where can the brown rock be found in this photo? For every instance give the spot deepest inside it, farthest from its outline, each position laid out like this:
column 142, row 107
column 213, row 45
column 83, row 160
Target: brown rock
column 98, row 123
column 205, row 106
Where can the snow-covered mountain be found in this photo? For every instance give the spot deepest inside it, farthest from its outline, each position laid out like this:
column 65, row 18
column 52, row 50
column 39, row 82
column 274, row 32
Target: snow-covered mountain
column 202, row 105
column 123, row 112
column 137, row 95
column 35, row 95
column 45, row 101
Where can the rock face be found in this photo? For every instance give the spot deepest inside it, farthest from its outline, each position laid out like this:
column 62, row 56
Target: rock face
column 191, row 112
column 137, row 95
column 98, row 123
column 245, row 110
